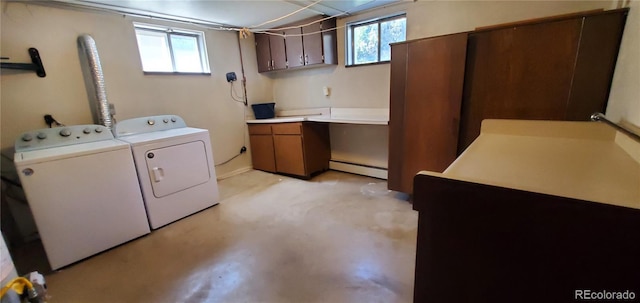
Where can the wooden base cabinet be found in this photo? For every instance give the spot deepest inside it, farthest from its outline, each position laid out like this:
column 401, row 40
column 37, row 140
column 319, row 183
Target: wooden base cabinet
column 298, row 148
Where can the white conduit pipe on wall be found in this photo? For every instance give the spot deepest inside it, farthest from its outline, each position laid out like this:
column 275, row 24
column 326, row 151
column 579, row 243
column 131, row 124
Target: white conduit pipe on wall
column 90, row 50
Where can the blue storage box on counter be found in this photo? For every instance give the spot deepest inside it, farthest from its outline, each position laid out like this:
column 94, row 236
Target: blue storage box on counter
column 264, row 110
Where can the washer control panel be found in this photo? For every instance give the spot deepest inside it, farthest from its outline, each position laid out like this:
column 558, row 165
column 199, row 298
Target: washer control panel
column 148, row 124
column 61, row 136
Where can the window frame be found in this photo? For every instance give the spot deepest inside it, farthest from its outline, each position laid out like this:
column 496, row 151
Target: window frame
column 350, row 27
column 171, row 31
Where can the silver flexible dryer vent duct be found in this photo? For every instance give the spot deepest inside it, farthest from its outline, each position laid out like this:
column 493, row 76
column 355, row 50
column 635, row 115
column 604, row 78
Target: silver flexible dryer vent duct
column 92, row 71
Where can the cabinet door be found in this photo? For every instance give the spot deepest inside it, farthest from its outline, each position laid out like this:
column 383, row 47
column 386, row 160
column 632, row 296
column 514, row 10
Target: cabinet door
column 599, row 44
column 278, row 54
column 312, row 41
column 289, row 154
column 428, row 132
column 262, row 152
column 263, row 52
column 522, row 72
column 293, row 42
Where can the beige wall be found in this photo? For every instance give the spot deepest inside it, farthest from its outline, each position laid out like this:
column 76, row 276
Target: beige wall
column 624, row 100
column 203, row 101
column 368, row 86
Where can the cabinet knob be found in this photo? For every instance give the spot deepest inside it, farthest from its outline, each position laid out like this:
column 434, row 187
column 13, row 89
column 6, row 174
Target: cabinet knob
column 306, row 59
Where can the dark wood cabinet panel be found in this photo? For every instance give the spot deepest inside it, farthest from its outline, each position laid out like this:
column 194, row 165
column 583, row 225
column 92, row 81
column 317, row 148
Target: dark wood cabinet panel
column 427, row 134
column 278, row 57
column 396, row 116
column 304, row 46
column 263, row 53
column 599, row 45
column 312, row 42
column 518, row 73
column 293, row 42
column 317, row 146
column 543, row 240
column 559, row 69
column 329, row 42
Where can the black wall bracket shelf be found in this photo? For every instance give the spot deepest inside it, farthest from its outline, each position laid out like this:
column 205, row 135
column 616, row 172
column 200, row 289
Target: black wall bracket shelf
column 36, row 64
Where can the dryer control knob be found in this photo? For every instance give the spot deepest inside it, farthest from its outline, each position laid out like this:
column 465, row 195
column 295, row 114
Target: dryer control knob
column 27, row 137
column 165, row 120
column 151, row 122
column 65, row 132
column 173, row 119
column 86, row 130
column 98, row 130
column 42, row 136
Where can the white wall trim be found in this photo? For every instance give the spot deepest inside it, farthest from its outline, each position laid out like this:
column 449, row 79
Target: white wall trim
column 353, row 168
column 233, row 173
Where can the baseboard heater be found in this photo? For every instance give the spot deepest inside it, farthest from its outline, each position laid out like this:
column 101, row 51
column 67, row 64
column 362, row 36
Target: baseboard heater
column 360, row 169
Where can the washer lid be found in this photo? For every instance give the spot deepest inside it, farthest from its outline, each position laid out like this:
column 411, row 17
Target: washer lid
column 68, row 151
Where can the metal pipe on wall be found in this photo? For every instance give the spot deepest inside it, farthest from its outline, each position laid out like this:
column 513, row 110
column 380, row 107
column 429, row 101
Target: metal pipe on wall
column 94, row 80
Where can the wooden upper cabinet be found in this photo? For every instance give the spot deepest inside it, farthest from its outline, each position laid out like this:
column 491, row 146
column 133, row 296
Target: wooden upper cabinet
column 426, row 91
column 295, row 52
column 312, row 42
column 301, row 46
column 263, row 52
column 270, row 52
column 278, row 57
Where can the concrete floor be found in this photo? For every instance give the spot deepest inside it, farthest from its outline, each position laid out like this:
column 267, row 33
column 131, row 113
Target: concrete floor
column 271, row 239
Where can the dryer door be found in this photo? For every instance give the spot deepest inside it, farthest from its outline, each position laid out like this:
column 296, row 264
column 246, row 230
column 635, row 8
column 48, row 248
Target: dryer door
column 178, row 167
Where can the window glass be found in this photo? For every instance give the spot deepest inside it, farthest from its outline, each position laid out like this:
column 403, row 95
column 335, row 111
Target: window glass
column 154, row 51
column 186, row 54
column 164, row 49
column 365, row 44
column 391, row 31
column 368, row 41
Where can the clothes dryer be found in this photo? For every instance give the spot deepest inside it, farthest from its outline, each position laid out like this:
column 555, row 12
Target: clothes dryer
column 174, row 164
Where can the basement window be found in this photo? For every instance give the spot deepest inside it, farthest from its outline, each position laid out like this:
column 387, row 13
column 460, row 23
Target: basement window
column 368, row 41
column 171, row 50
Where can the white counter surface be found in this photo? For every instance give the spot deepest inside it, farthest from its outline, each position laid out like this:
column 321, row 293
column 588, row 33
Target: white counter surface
column 371, row 116
column 582, row 160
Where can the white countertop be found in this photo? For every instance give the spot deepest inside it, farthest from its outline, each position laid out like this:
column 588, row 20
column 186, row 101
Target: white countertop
column 371, row 116
column 582, row 160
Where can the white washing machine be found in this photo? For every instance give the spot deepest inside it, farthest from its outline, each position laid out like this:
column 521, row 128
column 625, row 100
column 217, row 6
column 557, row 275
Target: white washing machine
column 82, row 188
column 174, row 164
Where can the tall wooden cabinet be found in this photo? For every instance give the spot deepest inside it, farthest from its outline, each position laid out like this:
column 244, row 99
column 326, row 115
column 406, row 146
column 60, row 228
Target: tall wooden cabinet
column 426, row 89
column 557, row 68
column 309, row 45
